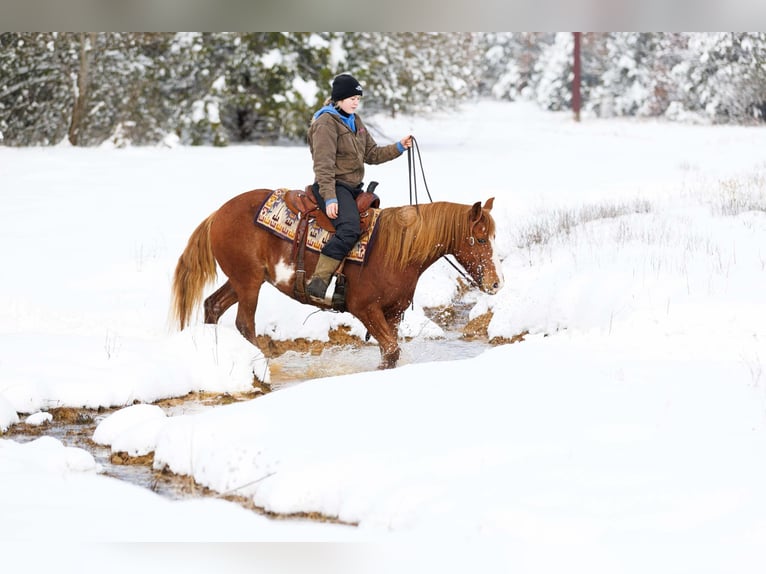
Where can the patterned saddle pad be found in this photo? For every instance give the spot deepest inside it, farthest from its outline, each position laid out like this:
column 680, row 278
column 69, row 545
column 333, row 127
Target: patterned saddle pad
column 275, row 216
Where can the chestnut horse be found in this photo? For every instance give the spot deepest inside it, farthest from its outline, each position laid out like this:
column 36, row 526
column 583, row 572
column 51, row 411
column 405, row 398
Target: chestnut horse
column 409, row 239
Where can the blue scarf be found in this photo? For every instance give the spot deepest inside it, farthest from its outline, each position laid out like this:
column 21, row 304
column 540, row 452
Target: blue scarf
column 349, row 120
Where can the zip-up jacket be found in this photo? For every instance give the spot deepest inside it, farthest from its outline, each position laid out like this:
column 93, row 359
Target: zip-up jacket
column 340, row 146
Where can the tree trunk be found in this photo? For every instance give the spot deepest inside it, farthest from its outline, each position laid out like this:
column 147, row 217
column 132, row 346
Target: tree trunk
column 576, row 80
column 81, row 97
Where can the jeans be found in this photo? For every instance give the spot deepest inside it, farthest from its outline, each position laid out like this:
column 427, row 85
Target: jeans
column 347, row 230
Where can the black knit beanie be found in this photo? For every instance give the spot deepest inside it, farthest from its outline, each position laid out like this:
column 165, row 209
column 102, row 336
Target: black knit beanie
column 345, row 86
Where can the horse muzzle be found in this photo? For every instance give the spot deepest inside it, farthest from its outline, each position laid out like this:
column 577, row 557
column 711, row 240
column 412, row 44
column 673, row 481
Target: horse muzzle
column 491, row 283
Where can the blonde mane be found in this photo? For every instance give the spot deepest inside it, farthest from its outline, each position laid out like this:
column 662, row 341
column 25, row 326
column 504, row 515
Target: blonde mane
column 412, row 234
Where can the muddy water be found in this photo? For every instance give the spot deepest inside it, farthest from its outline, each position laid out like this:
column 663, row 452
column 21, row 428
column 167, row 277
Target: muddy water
column 75, row 428
column 292, row 368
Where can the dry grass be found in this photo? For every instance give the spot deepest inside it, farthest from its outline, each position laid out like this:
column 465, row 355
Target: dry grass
column 338, row 337
column 562, row 222
column 737, row 196
column 125, row 459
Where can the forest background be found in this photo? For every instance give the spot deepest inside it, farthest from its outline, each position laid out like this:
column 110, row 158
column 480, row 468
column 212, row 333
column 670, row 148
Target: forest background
column 226, row 88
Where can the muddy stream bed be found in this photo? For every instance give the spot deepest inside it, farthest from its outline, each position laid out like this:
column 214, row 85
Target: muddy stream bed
column 290, row 363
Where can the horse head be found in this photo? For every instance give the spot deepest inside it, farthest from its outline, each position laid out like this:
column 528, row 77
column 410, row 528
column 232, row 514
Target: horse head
column 476, row 252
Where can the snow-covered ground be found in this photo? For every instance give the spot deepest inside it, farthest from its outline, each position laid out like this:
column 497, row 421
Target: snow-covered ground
column 626, row 434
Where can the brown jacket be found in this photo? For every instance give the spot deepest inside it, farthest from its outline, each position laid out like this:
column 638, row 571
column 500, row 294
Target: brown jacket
column 340, row 155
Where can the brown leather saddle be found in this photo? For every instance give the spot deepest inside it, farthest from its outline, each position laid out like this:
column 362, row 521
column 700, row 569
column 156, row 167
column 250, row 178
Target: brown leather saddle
column 304, row 204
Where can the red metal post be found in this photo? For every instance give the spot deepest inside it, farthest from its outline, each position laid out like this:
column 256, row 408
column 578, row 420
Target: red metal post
column 576, row 80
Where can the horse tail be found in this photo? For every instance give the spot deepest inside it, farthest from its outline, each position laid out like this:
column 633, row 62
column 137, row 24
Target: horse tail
column 196, row 268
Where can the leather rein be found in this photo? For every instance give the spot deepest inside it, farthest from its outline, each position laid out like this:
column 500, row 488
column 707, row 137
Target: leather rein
column 413, row 183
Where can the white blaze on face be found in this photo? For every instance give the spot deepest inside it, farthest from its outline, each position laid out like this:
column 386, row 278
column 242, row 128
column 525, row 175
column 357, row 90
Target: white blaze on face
column 283, row 272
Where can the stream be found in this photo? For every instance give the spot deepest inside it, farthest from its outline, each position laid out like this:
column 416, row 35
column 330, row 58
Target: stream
column 75, row 427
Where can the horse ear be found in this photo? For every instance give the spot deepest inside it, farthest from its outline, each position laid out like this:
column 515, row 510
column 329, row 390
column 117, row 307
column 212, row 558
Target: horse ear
column 476, row 211
column 488, row 205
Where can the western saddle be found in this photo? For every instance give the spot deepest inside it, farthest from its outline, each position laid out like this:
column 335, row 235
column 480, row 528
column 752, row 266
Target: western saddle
column 304, row 204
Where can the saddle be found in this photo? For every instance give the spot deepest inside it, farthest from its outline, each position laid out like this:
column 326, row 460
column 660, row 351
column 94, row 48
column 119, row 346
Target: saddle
column 304, row 204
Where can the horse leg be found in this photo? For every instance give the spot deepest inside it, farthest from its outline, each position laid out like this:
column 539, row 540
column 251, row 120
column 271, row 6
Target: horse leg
column 245, row 321
column 217, row 304
column 393, row 318
column 379, row 327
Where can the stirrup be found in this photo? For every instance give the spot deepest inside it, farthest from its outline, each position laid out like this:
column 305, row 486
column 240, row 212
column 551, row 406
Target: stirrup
column 339, row 294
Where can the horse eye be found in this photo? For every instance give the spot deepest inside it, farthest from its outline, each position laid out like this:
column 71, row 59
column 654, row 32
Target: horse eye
column 481, row 240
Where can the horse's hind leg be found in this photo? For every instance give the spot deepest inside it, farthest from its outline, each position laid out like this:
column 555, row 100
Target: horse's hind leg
column 217, row 304
column 245, row 321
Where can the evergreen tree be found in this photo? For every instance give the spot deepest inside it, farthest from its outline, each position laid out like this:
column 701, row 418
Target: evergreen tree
column 637, row 74
column 194, row 85
column 270, row 85
column 125, row 99
column 726, row 75
column 413, row 71
column 507, row 64
column 553, row 74
column 216, row 88
column 36, row 87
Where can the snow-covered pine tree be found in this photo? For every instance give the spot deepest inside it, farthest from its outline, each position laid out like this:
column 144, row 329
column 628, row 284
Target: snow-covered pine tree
column 36, row 89
column 412, row 71
column 507, row 63
column 726, row 76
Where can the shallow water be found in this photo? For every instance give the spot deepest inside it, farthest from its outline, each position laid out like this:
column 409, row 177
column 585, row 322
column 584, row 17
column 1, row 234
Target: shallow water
column 290, row 368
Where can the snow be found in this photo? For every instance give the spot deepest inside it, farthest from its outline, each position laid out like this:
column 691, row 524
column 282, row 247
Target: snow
column 627, row 433
column 39, row 419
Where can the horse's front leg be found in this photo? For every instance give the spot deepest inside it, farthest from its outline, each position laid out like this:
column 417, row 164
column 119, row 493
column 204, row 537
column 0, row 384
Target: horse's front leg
column 389, row 356
column 380, row 327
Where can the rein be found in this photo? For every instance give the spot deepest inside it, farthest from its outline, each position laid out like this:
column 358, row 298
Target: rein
column 413, row 183
column 412, row 174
